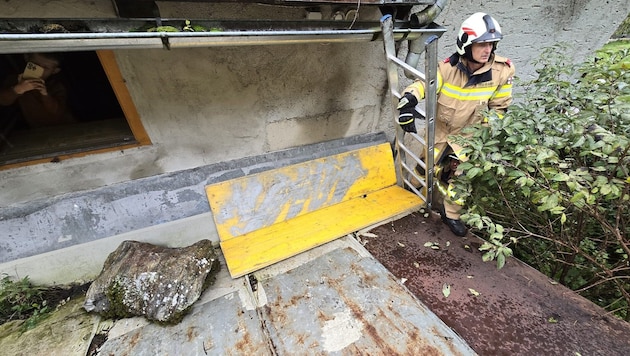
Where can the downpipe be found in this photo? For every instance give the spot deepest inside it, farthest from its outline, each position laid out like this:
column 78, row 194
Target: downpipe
column 421, row 19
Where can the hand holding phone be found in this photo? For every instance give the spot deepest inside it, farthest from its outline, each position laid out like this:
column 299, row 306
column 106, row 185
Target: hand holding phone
column 32, row 71
column 31, row 79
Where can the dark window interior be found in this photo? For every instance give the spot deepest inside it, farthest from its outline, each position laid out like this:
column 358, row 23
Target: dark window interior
column 99, row 121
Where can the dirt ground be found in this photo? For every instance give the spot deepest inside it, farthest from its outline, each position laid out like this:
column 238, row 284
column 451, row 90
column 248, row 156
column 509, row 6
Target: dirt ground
column 518, row 311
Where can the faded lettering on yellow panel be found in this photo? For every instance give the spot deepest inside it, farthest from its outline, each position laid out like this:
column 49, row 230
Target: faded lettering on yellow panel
column 253, row 202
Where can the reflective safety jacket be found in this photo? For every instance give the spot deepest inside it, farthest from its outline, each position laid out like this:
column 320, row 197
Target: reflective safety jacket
column 462, row 96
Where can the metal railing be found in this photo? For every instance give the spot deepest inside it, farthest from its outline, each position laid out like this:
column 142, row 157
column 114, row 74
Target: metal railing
column 405, row 172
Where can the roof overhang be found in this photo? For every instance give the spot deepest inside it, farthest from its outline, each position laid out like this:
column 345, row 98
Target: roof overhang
column 140, row 25
column 149, row 8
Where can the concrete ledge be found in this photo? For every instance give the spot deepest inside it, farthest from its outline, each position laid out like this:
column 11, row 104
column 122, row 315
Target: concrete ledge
column 82, row 263
column 79, row 218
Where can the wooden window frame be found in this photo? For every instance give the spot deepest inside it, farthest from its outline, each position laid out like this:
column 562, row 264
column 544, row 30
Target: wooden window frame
column 109, row 64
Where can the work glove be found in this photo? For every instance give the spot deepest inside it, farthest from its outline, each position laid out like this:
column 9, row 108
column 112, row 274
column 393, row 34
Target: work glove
column 408, row 113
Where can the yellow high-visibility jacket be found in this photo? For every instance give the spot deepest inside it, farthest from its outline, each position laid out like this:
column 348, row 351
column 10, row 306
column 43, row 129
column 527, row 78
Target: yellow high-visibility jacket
column 461, row 96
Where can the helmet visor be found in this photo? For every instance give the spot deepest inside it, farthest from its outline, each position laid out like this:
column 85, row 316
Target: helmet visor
column 493, row 32
column 489, row 37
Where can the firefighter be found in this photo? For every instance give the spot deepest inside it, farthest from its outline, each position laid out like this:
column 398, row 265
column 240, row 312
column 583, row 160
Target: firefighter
column 469, row 81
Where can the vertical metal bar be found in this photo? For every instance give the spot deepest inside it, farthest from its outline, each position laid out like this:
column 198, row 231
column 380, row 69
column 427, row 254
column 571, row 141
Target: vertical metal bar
column 387, row 28
column 431, row 109
column 430, row 80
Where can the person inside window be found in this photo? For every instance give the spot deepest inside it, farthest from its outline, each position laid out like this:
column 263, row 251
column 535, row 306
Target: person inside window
column 39, row 91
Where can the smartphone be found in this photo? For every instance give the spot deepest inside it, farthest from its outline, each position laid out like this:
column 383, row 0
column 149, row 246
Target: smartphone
column 32, row 71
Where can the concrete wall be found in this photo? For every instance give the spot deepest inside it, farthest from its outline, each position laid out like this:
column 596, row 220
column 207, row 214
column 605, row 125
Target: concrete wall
column 531, row 25
column 205, row 107
column 202, row 106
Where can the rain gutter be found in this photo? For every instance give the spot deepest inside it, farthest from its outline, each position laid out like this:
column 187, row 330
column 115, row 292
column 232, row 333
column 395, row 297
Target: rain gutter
column 49, row 42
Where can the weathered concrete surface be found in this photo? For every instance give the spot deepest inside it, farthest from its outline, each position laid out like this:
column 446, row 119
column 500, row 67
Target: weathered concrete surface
column 518, row 311
column 342, row 302
column 87, row 259
column 159, row 283
column 58, row 222
column 67, row 332
column 338, row 297
column 531, row 25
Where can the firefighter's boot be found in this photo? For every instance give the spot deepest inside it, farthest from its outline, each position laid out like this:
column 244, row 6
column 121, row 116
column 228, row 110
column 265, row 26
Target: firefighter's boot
column 456, row 225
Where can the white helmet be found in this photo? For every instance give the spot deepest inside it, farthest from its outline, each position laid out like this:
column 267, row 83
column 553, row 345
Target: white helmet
column 479, row 27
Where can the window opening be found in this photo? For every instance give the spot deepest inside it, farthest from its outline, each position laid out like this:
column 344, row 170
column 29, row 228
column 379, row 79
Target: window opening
column 99, row 114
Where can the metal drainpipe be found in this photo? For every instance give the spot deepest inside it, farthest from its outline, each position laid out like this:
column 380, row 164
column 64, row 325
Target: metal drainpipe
column 416, row 46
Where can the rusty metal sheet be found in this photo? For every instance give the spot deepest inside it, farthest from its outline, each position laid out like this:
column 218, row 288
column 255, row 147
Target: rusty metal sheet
column 219, row 327
column 343, row 303
column 336, row 299
column 517, row 310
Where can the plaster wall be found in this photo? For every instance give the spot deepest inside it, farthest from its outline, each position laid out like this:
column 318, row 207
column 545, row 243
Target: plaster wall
column 201, row 106
column 206, row 106
column 529, row 26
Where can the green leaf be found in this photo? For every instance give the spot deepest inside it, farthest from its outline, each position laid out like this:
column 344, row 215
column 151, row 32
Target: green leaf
column 500, row 170
column 500, row 260
column 516, row 173
column 579, row 142
column 473, row 172
column 560, row 177
column 488, row 256
column 495, row 237
column 446, row 290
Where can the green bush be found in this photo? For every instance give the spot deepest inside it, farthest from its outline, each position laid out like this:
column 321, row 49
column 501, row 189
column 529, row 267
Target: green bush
column 623, row 31
column 550, row 182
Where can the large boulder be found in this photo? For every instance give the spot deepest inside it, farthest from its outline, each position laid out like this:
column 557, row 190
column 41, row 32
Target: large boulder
column 159, row 283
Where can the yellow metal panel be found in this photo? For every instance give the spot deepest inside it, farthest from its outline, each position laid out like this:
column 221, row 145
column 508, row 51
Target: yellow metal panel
column 263, row 247
column 257, row 201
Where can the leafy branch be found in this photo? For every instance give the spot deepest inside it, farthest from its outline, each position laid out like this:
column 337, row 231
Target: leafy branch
column 551, row 178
